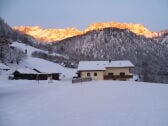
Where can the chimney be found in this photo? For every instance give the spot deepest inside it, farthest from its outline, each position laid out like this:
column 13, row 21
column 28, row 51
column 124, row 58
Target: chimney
column 109, row 60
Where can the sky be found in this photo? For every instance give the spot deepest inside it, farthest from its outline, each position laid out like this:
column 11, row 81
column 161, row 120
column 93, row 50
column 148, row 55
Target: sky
column 80, row 13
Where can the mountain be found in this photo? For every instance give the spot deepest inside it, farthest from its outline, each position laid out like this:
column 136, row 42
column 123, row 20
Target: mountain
column 13, row 54
column 50, row 35
column 149, row 55
column 147, row 50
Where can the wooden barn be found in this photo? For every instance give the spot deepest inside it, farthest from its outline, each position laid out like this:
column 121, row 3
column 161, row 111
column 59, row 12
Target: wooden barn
column 34, row 74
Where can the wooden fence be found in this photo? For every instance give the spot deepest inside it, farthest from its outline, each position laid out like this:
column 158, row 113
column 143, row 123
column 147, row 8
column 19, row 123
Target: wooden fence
column 79, row 80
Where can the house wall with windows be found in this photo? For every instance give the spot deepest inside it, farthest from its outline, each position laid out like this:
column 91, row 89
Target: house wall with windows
column 99, row 75
column 96, row 75
column 116, row 71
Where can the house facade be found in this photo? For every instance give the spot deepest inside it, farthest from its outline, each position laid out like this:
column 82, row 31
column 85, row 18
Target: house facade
column 105, row 70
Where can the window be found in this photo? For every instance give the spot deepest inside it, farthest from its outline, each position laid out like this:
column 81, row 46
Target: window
column 95, row 74
column 110, row 74
column 122, row 74
column 88, row 74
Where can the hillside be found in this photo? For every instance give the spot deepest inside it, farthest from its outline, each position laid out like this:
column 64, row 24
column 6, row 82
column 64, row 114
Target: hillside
column 96, row 103
column 9, row 54
column 149, row 56
column 31, row 62
column 7, row 32
column 162, row 38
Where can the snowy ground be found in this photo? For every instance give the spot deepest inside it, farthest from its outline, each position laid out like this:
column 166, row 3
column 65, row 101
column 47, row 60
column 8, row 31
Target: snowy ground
column 96, row 103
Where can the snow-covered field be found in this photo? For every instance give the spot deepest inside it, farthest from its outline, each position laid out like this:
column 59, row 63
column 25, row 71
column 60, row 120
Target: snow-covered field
column 96, row 103
column 61, row 103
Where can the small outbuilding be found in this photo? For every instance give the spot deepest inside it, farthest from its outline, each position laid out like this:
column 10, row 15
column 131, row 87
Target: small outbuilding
column 34, row 74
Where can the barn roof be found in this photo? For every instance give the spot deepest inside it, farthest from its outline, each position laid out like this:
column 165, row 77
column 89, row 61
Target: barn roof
column 102, row 65
column 27, row 71
column 32, row 71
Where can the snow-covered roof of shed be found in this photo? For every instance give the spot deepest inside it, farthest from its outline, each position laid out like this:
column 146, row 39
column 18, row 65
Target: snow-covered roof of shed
column 27, row 71
column 2, row 66
column 102, row 65
column 44, row 66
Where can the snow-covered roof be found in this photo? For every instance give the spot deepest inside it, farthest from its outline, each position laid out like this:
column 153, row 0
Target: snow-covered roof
column 91, row 65
column 120, row 63
column 43, row 66
column 2, row 66
column 102, row 65
column 27, row 71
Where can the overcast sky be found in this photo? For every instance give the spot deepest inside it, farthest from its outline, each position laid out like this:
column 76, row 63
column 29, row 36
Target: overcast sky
column 80, row 13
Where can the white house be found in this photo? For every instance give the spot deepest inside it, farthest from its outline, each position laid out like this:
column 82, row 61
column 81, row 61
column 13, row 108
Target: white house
column 105, row 70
